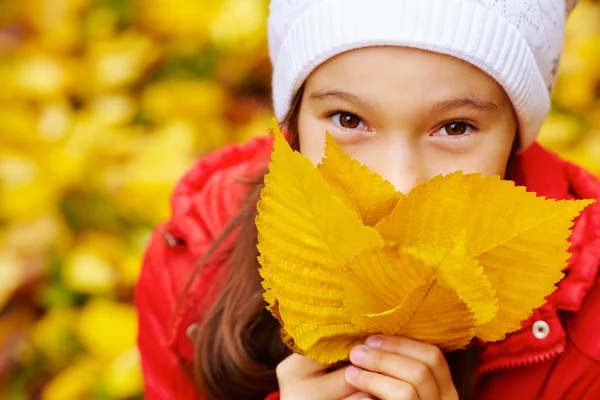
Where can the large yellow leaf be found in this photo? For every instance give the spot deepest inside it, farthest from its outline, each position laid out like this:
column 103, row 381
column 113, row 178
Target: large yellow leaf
column 443, row 319
column 362, row 190
column 306, row 236
column 415, row 291
column 380, row 280
column 519, row 239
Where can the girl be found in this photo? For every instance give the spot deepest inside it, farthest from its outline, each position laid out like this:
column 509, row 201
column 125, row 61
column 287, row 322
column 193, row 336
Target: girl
column 413, row 89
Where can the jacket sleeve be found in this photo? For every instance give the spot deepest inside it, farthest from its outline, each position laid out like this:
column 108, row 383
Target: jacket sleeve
column 203, row 202
column 165, row 378
column 164, row 375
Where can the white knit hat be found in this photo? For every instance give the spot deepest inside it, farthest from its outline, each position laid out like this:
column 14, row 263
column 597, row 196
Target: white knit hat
column 516, row 42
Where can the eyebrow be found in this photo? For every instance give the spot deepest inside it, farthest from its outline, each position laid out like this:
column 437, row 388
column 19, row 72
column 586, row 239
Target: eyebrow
column 353, row 99
column 466, row 101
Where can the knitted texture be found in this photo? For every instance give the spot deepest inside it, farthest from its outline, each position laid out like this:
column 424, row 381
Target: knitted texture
column 516, row 42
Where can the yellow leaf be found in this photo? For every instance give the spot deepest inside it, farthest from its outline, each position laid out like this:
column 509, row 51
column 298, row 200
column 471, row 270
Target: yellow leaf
column 88, row 271
column 359, row 188
column 441, row 319
column 180, row 19
column 238, row 24
column 121, row 60
column 305, row 237
column 519, row 239
column 123, row 377
column 409, row 291
column 380, row 280
column 107, row 329
column 43, row 77
column 178, row 99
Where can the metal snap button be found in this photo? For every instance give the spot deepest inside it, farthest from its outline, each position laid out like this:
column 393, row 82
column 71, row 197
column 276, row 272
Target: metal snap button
column 171, row 240
column 541, row 329
column 190, row 332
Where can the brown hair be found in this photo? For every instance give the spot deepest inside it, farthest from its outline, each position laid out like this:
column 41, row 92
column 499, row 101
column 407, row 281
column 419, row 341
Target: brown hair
column 237, row 345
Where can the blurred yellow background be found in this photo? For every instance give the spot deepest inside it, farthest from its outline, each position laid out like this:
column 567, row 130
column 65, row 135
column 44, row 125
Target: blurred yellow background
column 103, row 106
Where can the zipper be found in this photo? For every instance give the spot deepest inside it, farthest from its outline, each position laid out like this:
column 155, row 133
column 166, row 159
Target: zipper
column 522, row 361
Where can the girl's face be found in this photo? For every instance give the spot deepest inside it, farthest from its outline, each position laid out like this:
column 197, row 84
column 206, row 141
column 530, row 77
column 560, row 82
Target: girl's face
column 408, row 114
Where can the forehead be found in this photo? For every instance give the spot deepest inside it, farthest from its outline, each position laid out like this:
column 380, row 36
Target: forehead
column 389, row 71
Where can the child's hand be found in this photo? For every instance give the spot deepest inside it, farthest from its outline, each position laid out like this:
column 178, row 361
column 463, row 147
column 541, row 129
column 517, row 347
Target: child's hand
column 303, row 378
column 392, row 367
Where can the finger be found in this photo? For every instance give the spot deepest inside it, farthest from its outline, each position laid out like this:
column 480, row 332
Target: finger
column 299, row 366
column 379, row 385
column 336, row 366
column 399, row 367
column 333, row 386
column 359, row 396
column 428, row 354
column 325, row 386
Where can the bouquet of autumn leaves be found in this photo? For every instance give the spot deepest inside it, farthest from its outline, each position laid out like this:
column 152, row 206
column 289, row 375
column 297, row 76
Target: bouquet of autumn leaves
column 343, row 255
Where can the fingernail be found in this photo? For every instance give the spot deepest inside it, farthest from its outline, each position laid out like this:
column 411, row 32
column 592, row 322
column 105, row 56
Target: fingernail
column 374, row 341
column 351, row 373
column 358, row 353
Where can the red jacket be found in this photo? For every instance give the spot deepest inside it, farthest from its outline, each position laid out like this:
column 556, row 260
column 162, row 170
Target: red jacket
column 555, row 356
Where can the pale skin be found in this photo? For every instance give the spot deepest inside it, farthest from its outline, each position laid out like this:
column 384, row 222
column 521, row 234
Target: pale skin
column 409, row 115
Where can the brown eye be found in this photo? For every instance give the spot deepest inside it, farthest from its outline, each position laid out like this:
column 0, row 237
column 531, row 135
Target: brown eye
column 456, row 128
column 349, row 121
